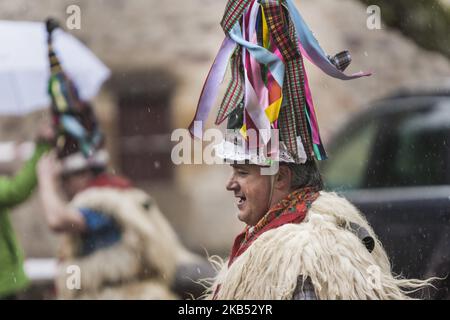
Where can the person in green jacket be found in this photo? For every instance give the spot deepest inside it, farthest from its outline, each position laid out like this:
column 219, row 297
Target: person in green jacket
column 14, row 191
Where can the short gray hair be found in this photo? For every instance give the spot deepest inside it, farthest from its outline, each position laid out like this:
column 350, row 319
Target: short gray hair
column 305, row 175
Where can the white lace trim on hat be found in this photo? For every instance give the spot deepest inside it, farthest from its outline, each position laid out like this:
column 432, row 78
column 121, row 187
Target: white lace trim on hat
column 78, row 161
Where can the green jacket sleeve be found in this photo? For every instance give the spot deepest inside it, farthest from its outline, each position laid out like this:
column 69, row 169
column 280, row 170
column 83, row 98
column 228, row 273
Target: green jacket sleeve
column 16, row 189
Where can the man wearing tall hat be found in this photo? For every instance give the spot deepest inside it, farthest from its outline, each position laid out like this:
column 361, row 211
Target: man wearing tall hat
column 299, row 242
column 116, row 239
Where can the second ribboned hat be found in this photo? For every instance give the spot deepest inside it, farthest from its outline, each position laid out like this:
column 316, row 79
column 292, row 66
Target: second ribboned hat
column 76, row 125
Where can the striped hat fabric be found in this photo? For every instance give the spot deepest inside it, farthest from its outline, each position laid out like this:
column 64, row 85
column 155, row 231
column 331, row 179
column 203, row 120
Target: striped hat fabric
column 265, row 44
column 74, row 120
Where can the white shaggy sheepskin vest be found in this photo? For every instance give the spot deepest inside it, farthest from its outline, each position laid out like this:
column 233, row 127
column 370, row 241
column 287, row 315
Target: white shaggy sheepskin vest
column 322, row 248
column 141, row 266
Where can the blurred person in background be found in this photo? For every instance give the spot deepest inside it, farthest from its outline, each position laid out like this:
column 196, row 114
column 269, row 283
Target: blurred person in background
column 113, row 232
column 14, row 191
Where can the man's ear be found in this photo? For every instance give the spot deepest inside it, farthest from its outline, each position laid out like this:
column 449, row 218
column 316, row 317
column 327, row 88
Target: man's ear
column 284, row 177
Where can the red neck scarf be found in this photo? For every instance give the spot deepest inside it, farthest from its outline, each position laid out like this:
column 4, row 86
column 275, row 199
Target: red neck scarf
column 291, row 209
column 108, row 180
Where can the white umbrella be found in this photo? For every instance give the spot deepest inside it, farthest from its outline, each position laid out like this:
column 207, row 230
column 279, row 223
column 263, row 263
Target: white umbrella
column 25, row 71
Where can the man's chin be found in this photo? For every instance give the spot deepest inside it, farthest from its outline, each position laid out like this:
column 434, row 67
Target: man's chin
column 244, row 217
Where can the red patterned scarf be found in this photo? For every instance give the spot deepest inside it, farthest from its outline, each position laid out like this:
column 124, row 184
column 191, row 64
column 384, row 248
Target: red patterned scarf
column 291, row 209
column 108, row 180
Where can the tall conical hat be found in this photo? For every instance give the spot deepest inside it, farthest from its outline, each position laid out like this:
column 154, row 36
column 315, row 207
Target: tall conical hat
column 266, row 41
column 74, row 120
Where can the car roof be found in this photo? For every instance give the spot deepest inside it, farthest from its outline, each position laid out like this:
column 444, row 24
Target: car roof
column 436, row 88
column 411, row 97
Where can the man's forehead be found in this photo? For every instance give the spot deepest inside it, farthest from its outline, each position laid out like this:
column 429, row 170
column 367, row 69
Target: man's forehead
column 243, row 166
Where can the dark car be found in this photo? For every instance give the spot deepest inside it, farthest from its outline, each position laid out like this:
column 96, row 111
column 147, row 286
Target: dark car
column 393, row 162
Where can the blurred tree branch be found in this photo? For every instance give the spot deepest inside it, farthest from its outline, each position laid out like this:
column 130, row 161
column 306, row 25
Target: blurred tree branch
column 426, row 22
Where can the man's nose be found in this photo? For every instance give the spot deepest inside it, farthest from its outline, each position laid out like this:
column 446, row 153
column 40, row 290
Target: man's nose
column 232, row 185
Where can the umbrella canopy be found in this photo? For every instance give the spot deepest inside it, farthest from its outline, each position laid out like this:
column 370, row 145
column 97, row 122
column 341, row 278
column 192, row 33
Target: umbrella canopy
column 25, row 69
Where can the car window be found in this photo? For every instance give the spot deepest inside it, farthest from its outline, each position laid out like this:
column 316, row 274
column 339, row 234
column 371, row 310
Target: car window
column 348, row 161
column 397, row 149
column 411, row 150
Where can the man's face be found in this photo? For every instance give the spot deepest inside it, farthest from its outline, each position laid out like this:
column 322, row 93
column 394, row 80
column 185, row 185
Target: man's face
column 252, row 192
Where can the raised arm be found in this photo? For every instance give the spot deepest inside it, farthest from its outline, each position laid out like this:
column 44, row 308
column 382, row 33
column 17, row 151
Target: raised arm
column 17, row 189
column 59, row 215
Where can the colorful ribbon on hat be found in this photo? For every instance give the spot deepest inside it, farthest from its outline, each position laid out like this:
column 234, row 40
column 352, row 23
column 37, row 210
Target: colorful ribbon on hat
column 62, row 90
column 310, row 47
column 263, row 96
column 265, row 42
column 67, row 107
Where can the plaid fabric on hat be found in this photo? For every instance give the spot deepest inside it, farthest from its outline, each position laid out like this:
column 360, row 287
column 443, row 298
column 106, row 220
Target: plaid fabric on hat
column 297, row 105
column 341, row 60
column 276, row 22
column 296, row 81
column 233, row 12
column 295, row 119
column 269, row 29
column 235, row 91
column 292, row 119
column 287, row 123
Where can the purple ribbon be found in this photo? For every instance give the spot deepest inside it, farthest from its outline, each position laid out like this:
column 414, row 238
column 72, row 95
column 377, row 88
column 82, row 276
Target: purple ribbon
column 211, row 86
